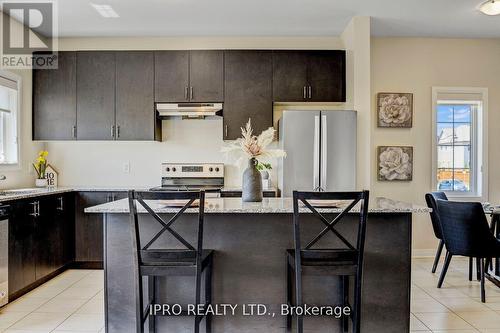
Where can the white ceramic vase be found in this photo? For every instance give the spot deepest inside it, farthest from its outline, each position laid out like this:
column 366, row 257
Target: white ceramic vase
column 41, row 182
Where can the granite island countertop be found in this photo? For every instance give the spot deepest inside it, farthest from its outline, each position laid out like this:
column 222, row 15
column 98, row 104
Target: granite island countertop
column 267, row 206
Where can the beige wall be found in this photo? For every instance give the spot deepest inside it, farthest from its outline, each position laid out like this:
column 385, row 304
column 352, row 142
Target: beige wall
column 415, row 65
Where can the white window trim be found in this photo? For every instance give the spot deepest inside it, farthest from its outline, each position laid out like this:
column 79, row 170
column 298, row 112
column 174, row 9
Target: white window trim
column 483, row 136
column 15, row 166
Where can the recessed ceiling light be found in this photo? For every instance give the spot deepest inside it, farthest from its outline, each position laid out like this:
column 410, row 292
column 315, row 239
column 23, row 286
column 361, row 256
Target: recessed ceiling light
column 490, row 7
column 105, row 10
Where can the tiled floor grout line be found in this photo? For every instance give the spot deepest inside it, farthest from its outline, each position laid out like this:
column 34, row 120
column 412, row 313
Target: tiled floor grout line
column 76, row 312
column 49, row 299
column 446, row 309
column 418, row 268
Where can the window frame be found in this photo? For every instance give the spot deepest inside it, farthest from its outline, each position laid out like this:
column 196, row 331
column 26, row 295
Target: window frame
column 479, row 142
column 5, row 167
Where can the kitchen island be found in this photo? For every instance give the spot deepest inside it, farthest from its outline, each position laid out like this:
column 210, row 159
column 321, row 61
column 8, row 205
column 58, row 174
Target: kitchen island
column 250, row 240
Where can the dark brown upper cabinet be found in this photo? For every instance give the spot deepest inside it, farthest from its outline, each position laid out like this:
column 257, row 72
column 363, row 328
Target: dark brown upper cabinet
column 189, row 76
column 95, row 106
column 54, row 100
column 309, row 76
column 135, row 114
column 172, row 76
column 206, row 76
column 326, row 76
column 248, row 77
column 290, row 76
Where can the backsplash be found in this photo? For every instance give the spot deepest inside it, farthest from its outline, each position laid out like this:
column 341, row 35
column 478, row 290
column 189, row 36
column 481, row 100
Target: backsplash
column 104, row 163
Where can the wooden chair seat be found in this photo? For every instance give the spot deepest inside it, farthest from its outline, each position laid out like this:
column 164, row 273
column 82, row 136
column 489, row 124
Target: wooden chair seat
column 174, row 267
column 168, row 257
column 327, row 262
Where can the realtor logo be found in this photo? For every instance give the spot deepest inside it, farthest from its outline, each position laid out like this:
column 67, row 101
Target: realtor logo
column 29, row 35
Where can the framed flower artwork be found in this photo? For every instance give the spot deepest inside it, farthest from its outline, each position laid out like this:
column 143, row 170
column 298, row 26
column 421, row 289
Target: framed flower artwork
column 395, row 110
column 394, row 163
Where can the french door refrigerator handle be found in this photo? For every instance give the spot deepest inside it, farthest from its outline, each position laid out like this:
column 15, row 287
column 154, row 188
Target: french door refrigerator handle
column 316, row 148
column 324, row 152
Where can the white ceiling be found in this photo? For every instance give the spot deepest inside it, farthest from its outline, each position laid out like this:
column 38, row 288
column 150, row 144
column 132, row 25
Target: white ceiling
column 436, row 18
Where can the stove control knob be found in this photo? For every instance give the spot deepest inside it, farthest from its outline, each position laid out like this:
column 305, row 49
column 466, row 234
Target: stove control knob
column 173, row 169
column 216, row 169
column 168, row 169
column 210, row 169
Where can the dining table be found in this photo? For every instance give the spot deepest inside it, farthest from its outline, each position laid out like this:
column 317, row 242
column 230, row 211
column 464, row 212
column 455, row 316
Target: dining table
column 493, row 271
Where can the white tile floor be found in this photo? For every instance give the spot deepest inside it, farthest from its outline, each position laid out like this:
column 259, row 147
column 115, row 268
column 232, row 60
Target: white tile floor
column 73, row 302
column 456, row 308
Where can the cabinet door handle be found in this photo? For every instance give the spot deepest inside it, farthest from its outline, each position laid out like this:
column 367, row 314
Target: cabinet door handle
column 113, row 131
column 186, row 92
column 305, row 92
column 36, row 208
column 118, row 131
column 61, row 204
column 73, row 132
column 225, row 131
column 190, row 93
column 310, row 92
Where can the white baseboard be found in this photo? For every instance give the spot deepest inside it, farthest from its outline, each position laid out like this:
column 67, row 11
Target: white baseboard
column 425, row 253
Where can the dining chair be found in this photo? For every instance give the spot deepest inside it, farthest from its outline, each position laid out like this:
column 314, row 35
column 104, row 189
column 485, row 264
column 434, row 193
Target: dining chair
column 466, row 232
column 431, row 198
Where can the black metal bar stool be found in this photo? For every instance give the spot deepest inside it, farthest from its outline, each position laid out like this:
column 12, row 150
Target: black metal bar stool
column 344, row 262
column 153, row 263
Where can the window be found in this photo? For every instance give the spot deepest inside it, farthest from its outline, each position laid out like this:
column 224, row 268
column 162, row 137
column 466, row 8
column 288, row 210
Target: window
column 458, row 141
column 9, row 111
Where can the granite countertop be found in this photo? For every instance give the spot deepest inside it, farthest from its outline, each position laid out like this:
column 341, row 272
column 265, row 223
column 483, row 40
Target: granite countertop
column 26, row 193
column 267, row 206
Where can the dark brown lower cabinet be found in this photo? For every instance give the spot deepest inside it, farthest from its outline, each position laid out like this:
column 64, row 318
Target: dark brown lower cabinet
column 21, row 246
column 237, row 194
column 41, row 238
column 89, row 227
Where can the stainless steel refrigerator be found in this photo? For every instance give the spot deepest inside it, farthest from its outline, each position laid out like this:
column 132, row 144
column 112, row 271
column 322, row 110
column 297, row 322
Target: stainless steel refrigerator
column 321, row 151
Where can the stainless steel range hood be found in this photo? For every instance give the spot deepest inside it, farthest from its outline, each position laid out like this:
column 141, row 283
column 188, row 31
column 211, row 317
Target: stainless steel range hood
column 189, row 110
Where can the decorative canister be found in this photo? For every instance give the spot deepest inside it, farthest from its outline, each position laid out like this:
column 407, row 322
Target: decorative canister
column 252, row 183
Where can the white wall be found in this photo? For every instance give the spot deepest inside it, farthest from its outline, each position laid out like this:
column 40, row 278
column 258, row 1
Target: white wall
column 414, row 65
column 101, row 163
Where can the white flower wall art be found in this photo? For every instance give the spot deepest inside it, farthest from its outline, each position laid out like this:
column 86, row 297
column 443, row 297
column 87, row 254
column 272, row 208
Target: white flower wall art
column 395, row 110
column 395, row 163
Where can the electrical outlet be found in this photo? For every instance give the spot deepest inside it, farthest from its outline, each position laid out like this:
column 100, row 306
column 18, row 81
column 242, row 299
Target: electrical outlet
column 126, row 167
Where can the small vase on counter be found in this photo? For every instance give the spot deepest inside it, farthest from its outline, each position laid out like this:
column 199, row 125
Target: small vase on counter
column 252, row 183
column 41, row 182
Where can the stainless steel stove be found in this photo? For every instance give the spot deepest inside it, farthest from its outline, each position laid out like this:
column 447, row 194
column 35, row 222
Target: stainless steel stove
column 191, row 177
